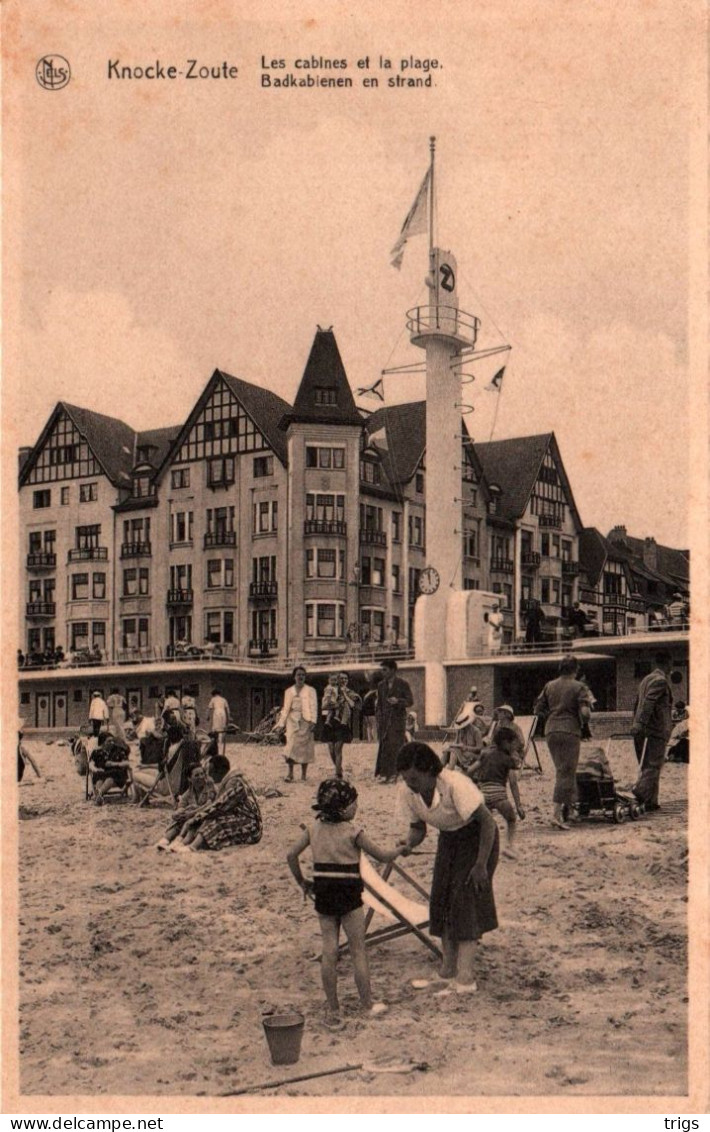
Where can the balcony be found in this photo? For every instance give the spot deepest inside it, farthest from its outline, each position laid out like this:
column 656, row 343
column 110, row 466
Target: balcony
column 179, row 597
column 503, row 565
column 88, row 554
column 136, row 550
column 41, row 560
column 550, row 522
column 530, row 559
column 41, row 609
column 373, row 538
column 263, row 646
column 325, row 527
column 220, row 538
column 615, row 601
column 570, row 569
column 263, row 590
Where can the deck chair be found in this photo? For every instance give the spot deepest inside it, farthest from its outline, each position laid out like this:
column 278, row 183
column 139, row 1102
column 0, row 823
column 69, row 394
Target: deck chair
column 528, row 726
column 114, row 792
column 172, row 771
column 404, row 914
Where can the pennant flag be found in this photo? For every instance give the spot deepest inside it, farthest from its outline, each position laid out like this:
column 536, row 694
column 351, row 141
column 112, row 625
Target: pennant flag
column 377, row 389
column 496, row 382
column 417, row 221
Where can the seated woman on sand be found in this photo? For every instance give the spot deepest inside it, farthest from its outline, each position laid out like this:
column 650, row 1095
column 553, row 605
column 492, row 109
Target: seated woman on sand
column 201, row 790
column 234, row 818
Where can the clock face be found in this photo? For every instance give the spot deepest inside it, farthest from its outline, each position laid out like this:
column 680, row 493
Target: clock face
column 428, row 580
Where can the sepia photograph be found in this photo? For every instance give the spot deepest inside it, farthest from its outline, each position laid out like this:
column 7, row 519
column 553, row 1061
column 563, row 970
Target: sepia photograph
column 355, row 455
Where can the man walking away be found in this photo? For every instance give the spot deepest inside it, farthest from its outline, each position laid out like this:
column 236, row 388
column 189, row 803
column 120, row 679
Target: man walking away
column 651, row 729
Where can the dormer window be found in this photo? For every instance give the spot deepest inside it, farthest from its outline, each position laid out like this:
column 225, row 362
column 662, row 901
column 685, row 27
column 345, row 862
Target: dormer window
column 494, row 501
column 326, row 395
column 143, row 452
column 141, row 486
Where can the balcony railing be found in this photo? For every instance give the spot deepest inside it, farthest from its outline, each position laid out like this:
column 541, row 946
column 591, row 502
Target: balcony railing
column 180, row 597
column 374, row 538
column 615, row 601
column 263, row 589
column 263, row 645
column 551, row 522
column 220, row 538
column 502, row 565
column 88, row 554
column 136, row 550
column 530, row 559
column 325, row 527
column 570, row 569
column 41, row 608
column 41, row 560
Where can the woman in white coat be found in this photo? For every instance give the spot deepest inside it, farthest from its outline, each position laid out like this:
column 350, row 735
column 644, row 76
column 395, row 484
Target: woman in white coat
column 298, row 719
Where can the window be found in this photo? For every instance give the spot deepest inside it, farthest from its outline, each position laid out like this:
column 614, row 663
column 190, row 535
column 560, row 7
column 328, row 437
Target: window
column 98, row 634
column 220, row 573
column 545, row 545
column 42, row 499
column 396, row 630
column 136, row 581
column 213, row 626
column 370, row 470
column 555, row 591
column 545, row 590
column 88, row 492
column 396, row 526
column 326, row 395
column 413, row 583
column 555, row 546
column 471, row 584
column 180, row 477
column 371, row 518
column 35, row 543
column 263, row 624
column 566, row 550
column 265, row 516
column 142, row 487
column 220, row 521
column 135, row 633
column 99, row 587
column 322, row 456
column 396, row 579
column 326, row 563
column 378, row 572
column 181, row 526
column 325, row 619
column 35, row 591
column 470, row 543
column 64, row 496
column 181, row 577
column 263, row 466
column 79, row 587
column 325, row 508
column 79, row 635
column 505, row 590
column 136, row 530
column 419, row 483
column 263, row 569
column 416, row 530
column 34, row 640
column 220, row 473
column 372, row 625
column 87, row 538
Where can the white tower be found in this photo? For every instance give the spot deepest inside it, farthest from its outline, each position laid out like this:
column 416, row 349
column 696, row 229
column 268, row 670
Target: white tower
column 442, row 330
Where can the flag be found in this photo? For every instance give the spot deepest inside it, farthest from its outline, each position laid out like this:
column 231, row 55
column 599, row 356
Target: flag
column 496, row 382
column 377, row 389
column 416, row 221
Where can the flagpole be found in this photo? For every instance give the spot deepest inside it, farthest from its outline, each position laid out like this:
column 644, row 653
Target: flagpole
column 432, row 147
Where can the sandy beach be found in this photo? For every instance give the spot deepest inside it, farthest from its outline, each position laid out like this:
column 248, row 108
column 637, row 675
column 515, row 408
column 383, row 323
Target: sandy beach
column 144, row 973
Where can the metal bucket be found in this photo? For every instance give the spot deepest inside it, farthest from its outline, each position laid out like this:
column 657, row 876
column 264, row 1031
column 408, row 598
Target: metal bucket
column 284, row 1033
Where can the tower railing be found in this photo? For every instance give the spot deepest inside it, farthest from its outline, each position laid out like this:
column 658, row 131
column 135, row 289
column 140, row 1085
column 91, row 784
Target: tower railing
column 438, row 319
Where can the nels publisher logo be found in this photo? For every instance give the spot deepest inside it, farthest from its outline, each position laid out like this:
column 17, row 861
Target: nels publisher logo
column 53, row 72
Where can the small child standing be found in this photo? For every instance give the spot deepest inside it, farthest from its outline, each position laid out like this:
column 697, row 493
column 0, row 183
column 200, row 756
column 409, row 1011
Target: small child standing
column 496, row 768
column 330, row 699
column 337, row 888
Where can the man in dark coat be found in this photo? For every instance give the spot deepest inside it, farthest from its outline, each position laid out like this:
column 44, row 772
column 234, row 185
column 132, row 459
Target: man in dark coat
column 394, row 697
column 651, row 729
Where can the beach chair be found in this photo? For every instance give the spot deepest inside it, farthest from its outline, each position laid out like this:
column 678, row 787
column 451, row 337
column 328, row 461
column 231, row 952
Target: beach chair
column 404, row 915
column 528, row 726
column 93, row 764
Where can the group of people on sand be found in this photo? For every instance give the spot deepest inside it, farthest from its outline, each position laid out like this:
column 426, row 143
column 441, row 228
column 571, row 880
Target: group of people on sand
column 300, row 716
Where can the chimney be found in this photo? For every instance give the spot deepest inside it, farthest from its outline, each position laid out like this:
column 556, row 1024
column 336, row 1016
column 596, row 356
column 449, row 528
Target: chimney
column 617, row 534
column 650, row 553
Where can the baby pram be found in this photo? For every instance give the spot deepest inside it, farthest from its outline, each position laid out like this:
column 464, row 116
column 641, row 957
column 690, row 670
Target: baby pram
column 596, row 791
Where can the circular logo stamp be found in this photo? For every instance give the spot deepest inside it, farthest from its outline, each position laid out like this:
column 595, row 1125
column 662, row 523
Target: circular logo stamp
column 53, row 72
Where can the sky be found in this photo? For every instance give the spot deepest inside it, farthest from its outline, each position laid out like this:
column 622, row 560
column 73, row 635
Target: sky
column 158, row 230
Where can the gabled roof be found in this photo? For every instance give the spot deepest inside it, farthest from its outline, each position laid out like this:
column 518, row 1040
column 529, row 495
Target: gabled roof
column 111, row 440
column 324, row 370
column 264, row 407
column 594, row 550
column 515, row 464
column 672, row 563
column 405, row 438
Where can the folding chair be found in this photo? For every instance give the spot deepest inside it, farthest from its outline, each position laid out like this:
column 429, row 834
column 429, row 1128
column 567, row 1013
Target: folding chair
column 528, row 726
column 165, row 766
column 404, row 914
